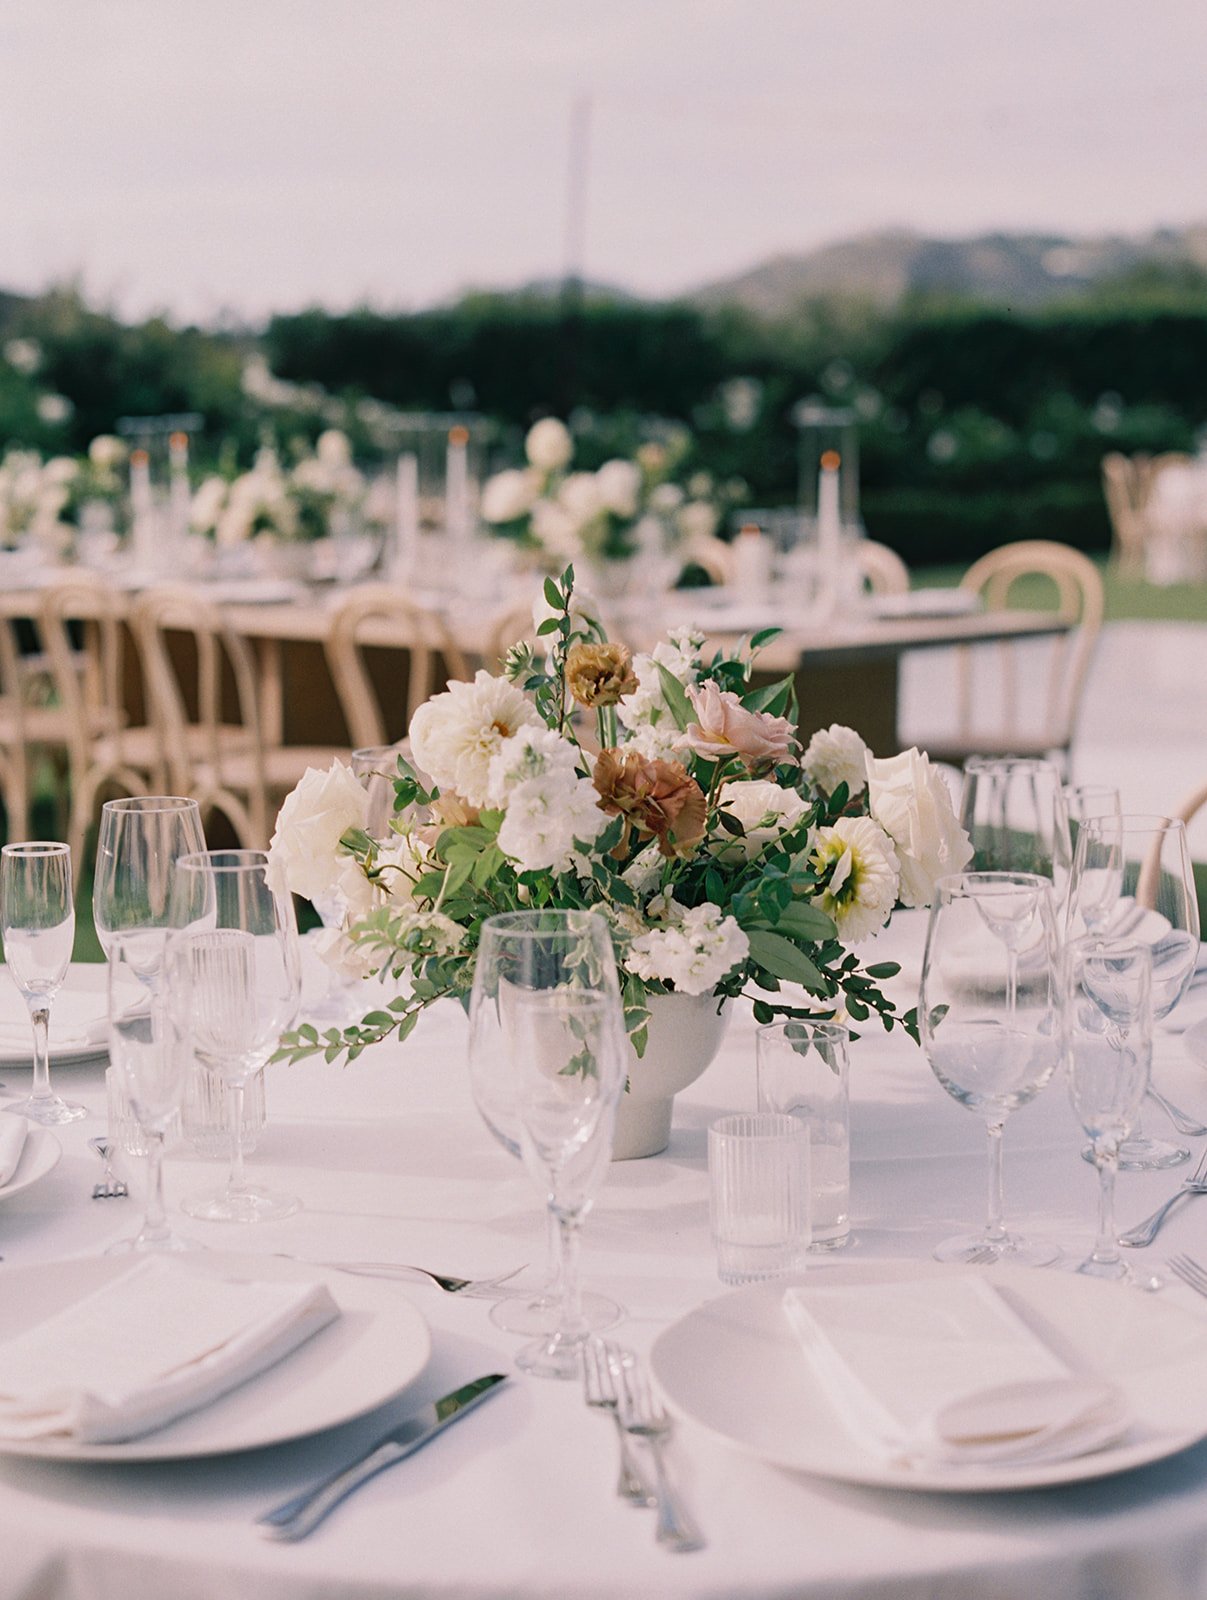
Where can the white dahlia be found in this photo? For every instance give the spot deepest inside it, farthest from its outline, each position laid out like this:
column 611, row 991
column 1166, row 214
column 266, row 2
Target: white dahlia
column 863, row 876
column 456, row 735
column 837, row 755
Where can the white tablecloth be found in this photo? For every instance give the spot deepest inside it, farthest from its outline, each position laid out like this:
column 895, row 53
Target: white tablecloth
column 392, row 1160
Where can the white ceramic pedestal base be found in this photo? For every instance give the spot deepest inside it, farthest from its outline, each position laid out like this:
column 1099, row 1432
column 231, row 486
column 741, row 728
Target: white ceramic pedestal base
column 685, row 1034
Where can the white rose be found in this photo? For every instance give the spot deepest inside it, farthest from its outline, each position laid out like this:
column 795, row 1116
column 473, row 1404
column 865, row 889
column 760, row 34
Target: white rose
column 508, row 495
column 619, row 485
column 697, row 521
column 456, row 735
column 911, row 802
column 764, row 810
column 579, row 498
column 61, row 470
column 549, row 446
column 666, row 497
column 837, row 755
column 304, row 855
column 333, row 449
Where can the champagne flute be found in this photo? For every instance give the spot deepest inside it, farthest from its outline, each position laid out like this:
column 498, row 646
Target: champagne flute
column 37, row 915
column 1013, row 810
column 1107, row 1032
column 233, row 987
column 989, row 1018
column 149, row 1061
column 1133, row 879
column 522, row 955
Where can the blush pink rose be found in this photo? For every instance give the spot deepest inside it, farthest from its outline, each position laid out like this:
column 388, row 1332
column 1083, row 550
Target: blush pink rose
column 724, row 727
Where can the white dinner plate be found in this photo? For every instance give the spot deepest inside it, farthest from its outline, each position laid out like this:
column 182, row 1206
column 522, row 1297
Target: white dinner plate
column 40, row 1155
column 735, row 1367
column 924, row 603
column 366, row 1357
column 78, row 1030
column 1194, row 1041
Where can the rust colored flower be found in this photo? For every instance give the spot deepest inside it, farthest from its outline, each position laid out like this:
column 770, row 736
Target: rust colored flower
column 724, row 727
column 659, row 799
column 599, row 674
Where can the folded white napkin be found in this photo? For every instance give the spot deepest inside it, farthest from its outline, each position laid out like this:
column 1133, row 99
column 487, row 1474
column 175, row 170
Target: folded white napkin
column 78, row 1021
column 12, row 1141
column 153, row 1344
column 941, row 1371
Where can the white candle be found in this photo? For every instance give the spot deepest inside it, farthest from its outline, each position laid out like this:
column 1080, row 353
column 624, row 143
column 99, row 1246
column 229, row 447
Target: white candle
column 752, row 563
column 829, row 532
column 456, row 484
column 179, row 498
column 142, row 510
column 406, row 521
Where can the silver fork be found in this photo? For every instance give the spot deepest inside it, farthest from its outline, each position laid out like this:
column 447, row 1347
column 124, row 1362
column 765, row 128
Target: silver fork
column 1145, row 1232
column 601, row 1364
column 110, row 1186
column 467, row 1288
column 641, row 1414
column 1190, row 1272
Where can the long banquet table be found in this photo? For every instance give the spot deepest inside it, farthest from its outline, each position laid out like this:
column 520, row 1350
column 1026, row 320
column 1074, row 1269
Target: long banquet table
column 391, row 1160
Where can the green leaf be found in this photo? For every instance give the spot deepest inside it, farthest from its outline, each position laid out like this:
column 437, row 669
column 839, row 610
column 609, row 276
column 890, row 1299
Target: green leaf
column 731, row 824
column 553, row 595
column 772, row 697
column 784, row 960
column 884, row 969
column 764, row 636
column 550, row 625
column 804, row 921
column 675, row 696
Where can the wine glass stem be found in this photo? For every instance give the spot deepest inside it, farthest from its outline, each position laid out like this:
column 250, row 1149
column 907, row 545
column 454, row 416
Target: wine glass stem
column 40, row 1019
column 571, row 1327
column 994, row 1228
column 553, row 1258
column 1106, row 1246
column 234, row 1107
column 1011, row 980
column 155, row 1224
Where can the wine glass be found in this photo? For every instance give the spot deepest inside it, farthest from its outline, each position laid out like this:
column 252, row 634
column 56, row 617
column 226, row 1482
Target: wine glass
column 150, row 1063
column 1013, row 810
column 233, row 986
column 1085, row 800
column 561, row 961
column 377, row 766
column 141, row 838
column 989, row 1019
column 1133, row 879
column 1107, row 1031
column 37, row 914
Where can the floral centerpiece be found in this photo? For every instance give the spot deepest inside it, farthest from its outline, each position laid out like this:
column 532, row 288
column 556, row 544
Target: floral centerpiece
column 662, row 790
column 623, row 510
column 280, row 504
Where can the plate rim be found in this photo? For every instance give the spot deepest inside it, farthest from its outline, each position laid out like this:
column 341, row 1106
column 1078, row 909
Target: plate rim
column 151, row 1447
column 877, row 1474
column 45, row 1136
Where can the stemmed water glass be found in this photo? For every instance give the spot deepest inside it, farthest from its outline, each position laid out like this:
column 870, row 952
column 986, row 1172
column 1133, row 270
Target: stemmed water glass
column 140, row 841
column 377, row 766
column 233, row 987
column 37, row 915
column 1107, row 1030
column 990, row 1023
column 150, row 1062
column 547, row 1064
column 1132, row 879
column 1013, row 811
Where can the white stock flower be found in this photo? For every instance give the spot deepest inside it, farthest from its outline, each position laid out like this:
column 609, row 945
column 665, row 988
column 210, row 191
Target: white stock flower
column 679, row 653
column 911, row 802
column 508, row 495
column 533, row 752
column 304, row 855
column 693, row 953
column 862, row 888
column 549, row 445
column 579, row 498
column 456, row 735
column 837, row 755
column 764, row 809
column 544, row 817
column 619, row 485
column 656, row 741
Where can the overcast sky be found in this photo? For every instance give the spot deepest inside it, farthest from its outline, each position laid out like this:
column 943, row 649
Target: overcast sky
column 251, row 155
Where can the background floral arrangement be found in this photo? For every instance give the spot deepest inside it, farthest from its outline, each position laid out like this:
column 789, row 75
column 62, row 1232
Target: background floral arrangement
column 625, row 508
column 725, row 863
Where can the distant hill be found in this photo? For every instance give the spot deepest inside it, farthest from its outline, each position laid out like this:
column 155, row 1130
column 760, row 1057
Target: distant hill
column 1017, row 269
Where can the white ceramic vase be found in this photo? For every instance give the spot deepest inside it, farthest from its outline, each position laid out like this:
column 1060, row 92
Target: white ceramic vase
column 685, row 1033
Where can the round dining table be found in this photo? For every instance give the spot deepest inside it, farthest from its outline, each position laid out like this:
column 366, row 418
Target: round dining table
column 392, row 1162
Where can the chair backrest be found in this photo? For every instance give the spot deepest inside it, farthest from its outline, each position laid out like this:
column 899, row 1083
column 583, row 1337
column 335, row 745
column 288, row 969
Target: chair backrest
column 1193, row 804
column 1125, row 488
column 188, row 702
column 1080, row 601
column 882, row 568
column 381, row 613
column 88, row 675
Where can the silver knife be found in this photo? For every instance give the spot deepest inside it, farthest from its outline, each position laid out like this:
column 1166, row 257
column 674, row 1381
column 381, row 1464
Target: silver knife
column 301, row 1515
